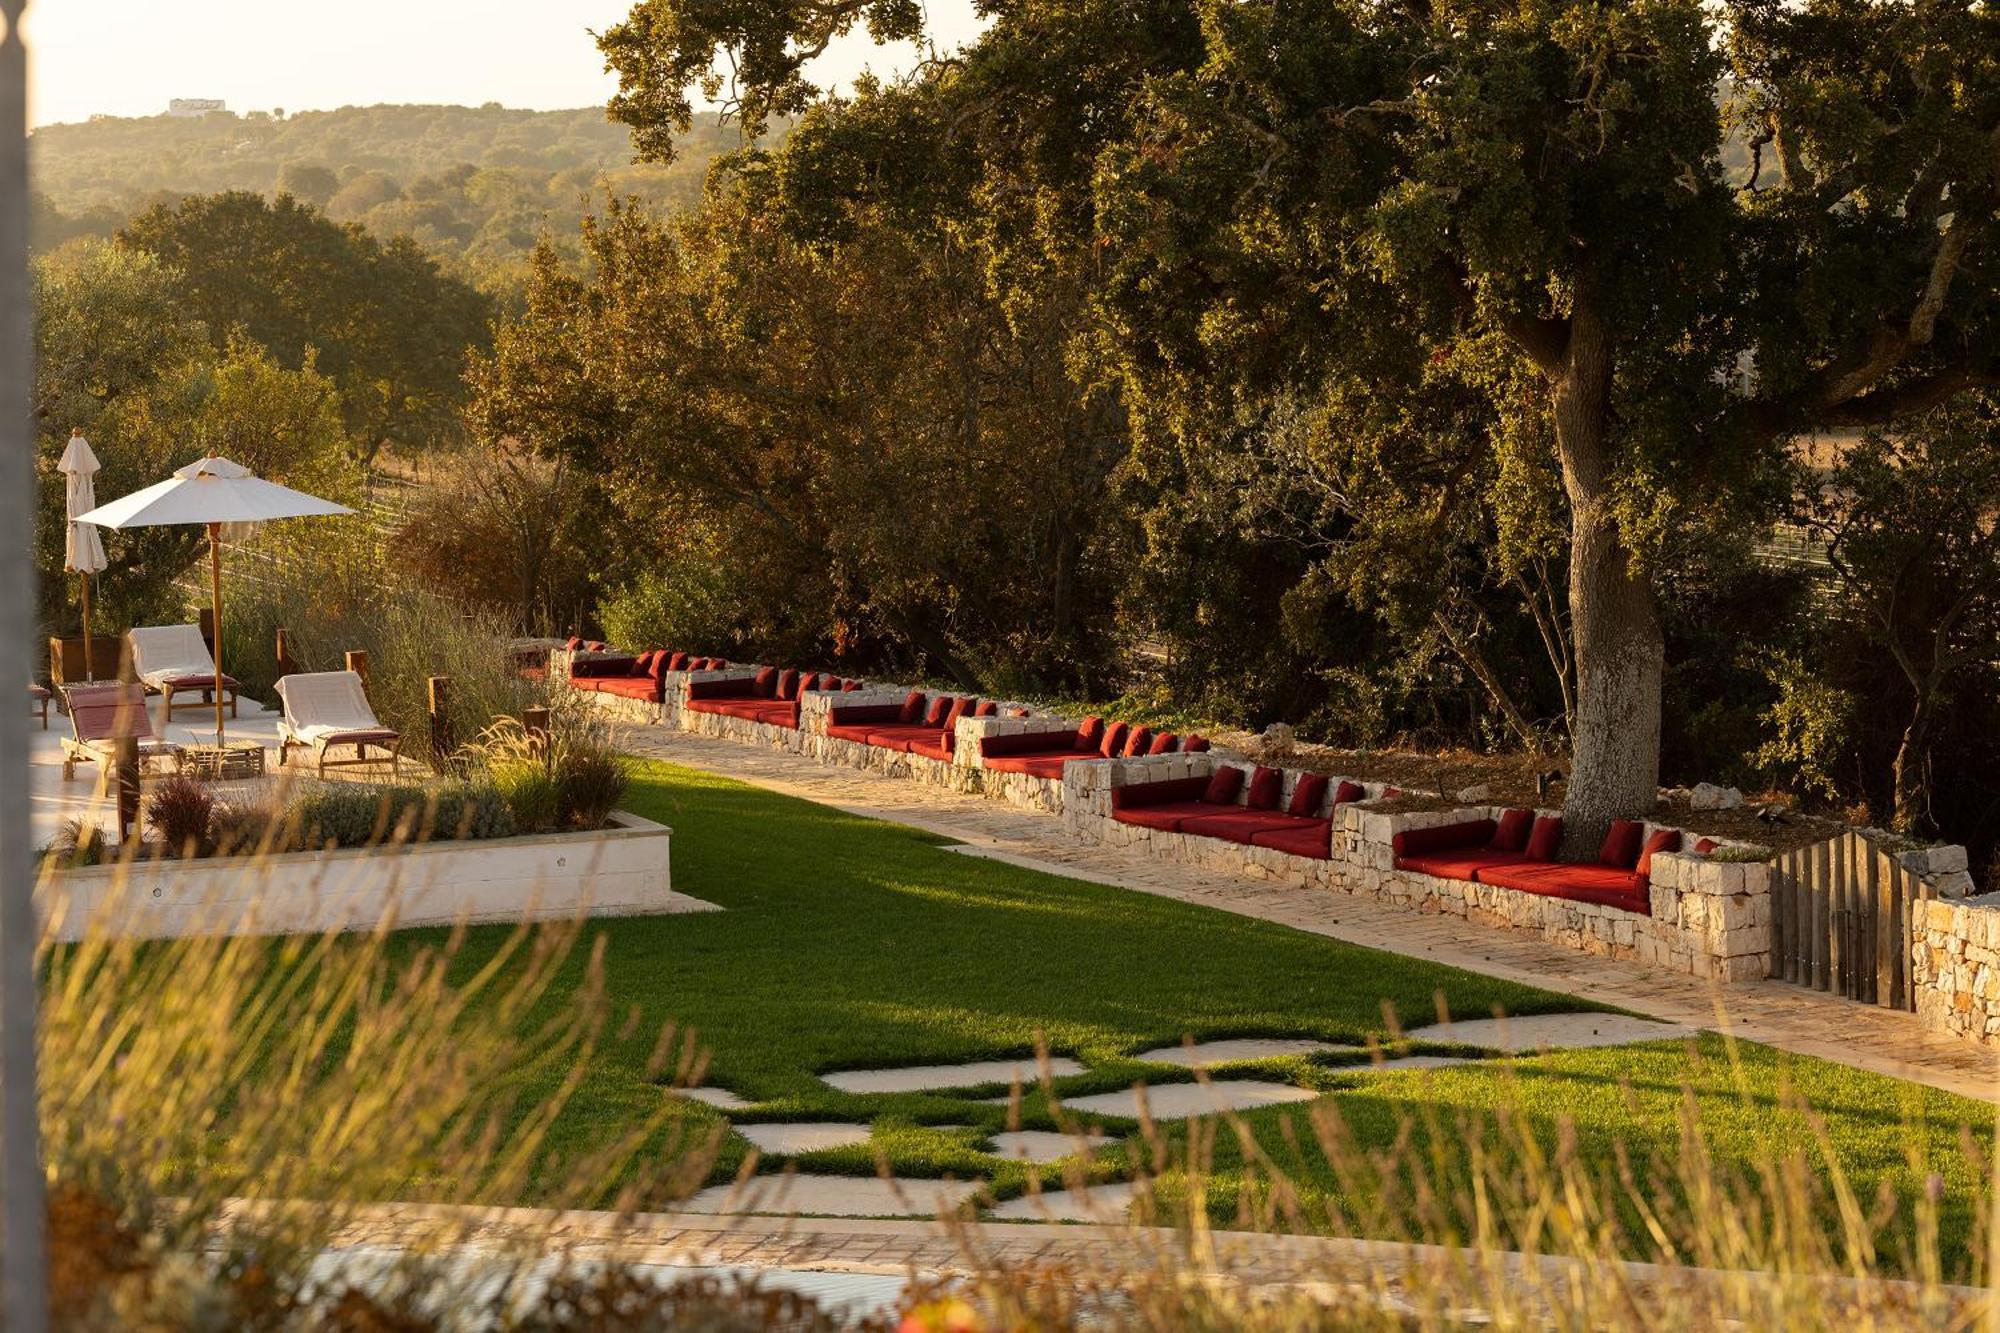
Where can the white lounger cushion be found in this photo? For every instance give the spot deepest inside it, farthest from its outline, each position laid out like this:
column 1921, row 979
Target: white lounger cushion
column 161, row 653
column 320, row 704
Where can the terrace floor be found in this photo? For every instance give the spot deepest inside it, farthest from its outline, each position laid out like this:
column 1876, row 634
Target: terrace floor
column 1787, row 1017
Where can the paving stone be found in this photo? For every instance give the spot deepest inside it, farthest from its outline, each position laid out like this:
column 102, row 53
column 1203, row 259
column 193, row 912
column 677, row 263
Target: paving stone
column 834, row 1196
column 722, row 1099
column 1533, row 1032
column 798, row 1137
column 930, row 1078
column 1177, row 1101
column 1041, row 1145
column 1098, row 1203
column 1235, row 1048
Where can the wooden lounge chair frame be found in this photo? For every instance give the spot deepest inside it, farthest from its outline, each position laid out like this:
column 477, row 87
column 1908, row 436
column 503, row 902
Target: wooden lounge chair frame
column 97, row 703
column 185, row 643
column 358, row 736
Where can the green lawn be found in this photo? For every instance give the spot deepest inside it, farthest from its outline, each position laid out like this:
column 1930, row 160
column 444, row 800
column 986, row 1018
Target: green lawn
column 850, row 943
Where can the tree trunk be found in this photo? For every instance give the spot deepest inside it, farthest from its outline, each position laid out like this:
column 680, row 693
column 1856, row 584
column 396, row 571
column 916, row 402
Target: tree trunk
column 1912, row 792
column 1620, row 653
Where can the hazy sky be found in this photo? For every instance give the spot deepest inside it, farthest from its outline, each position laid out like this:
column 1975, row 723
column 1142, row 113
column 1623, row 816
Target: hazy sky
column 128, row 57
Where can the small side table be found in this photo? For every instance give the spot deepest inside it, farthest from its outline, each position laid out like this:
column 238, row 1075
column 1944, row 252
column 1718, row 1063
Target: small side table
column 223, row 763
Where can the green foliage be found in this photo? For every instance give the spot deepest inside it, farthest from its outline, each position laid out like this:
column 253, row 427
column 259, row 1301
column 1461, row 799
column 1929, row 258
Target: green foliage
column 78, row 843
column 1812, row 729
column 571, row 776
column 377, row 318
column 689, row 598
column 354, row 814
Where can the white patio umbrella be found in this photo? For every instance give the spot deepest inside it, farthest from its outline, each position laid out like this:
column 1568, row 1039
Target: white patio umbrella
column 83, row 549
column 211, row 492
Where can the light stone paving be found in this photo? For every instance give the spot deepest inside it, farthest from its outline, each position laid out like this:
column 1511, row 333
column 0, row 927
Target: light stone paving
column 722, row 1099
column 1097, row 1203
column 791, row 1139
column 835, row 1196
column 1042, row 1146
column 932, row 1078
column 1178, row 1101
column 1205, row 1053
column 1791, row 1018
column 1534, row 1032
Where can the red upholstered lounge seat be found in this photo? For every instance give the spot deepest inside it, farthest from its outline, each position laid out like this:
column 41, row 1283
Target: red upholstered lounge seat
column 1313, row 838
column 1241, row 825
column 1169, row 815
column 1464, row 863
column 1048, row 765
column 1625, row 889
column 901, row 736
column 629, row 687
column 773, row 712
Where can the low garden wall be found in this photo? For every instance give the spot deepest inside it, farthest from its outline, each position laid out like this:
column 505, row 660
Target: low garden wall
column 623, row 870
column 1954, row 949
column 1710, row 914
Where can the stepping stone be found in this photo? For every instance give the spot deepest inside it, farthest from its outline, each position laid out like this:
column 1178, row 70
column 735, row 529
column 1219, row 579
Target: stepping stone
column 1178, row 1101
column 1099, row 1203
column 1041, row 1146
column 1555, row 1031
column 722, row 1099
column 803, row 1136
column 1235, row 1048
column 834, row 1196
column 927, row 1078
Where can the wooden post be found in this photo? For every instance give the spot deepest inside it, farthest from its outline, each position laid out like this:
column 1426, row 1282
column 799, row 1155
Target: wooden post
column 286, row 665
column 441, row 746
column 536, row 720
column 125, row 782
column 357, row 662
column 1822, row 916
column 215, row 623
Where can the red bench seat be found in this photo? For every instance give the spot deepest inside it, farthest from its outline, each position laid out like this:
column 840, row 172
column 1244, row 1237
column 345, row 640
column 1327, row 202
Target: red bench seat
column 625, row 687
column 1625, row 889
column 1176, row 806
column 1311, row 838
column 771, row 712
column 1482, row 851
column 1044, row 764
column 1235, row 824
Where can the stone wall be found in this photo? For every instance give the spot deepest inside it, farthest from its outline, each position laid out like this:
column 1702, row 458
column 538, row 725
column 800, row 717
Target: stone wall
column 1955, row 951
column 1710, row 917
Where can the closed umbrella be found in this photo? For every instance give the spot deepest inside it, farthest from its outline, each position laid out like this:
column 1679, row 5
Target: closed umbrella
column 211, row 492
column 83, row 549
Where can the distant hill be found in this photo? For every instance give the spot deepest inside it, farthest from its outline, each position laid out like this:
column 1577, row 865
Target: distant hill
column 474, row 184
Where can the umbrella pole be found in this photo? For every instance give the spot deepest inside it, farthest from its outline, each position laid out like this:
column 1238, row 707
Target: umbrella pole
column 89, row 658
column 215, row 602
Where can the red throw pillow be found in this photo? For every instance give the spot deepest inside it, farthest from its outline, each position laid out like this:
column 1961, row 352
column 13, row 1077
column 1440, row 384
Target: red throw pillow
column 1196, row 744
column 960, row 708
column 641, row 664
column 1512, row 834
column 1307, row 793
column 1265, row 784
column 850, row 687
column 1114, row 740
column 1089, row 735
column 939, row 707
column 659, row 666
column 1348, row 791
column 788, row 684
column 1665, row 840
column 1223, row 784
column 678, row 662
column 1705, row 846
column 987, row 708
column 1164, row 743
column 1621, row 844
column 912, row 710
column 1545, row 839
column 1137, row 741
column 572, row 643
column 1017, row 712
column 765, row 685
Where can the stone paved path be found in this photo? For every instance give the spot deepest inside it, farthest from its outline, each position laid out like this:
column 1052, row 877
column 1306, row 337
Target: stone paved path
column 1787, row 1017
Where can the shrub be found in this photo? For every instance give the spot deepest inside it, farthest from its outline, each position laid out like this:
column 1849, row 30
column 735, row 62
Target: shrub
column 361, row 815
column 179, row 810
column 572, row 777
column 78, row 843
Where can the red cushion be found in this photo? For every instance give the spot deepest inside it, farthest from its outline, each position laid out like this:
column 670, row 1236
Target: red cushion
column 1195, row 745
column 913, row 707
column 1442, row 838
column 1169, row 815
column 1239, row 825
column 1265, row 785
column 940, row 708
column 642, row 665
column 1164, row 743
column 1223, row 784
column 1114, row 740
column 630, row 687
column 868, row 715
column 1665, row 840
column 678, row 662
column 850, row 686
column 1089, row 735
column 850, row 731
column 1034, row 765
column 788, row 683
column 932, row 746
column 1706, row 845
column 572, row 643
column 808, row 681
column 774, row 712
column 203, row 680
column 1017, row 712
column 1027, row 742
column 660, row 665
column 1546, row 838
column 1348, row 791
column 1586, row 884
column 595, row 645
column 1621, row 844
column 987, row 708
column 1307, row 793
column 1171, row 790
column 1512, row 834
column 902, row 737
column 1314, row 839
column 766, row 682
column 961, row 708
column 1460, row 862
column 1137, row 742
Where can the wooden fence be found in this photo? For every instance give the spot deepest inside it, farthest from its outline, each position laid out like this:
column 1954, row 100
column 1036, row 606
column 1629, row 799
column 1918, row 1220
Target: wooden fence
column 1840, row 920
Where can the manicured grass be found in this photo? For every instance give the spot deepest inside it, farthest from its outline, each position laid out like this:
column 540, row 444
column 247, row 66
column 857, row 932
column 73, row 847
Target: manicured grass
column 849, row 943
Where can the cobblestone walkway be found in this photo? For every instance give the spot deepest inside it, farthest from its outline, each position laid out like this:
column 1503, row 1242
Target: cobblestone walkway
column 1787, row 1017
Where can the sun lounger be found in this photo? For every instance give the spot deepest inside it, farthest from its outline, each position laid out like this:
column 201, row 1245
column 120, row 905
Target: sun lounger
column 174, row 659
column 98, row 716
column 325, row 709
